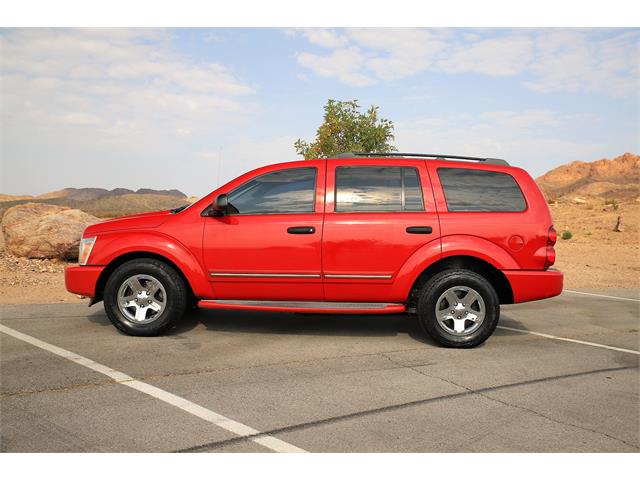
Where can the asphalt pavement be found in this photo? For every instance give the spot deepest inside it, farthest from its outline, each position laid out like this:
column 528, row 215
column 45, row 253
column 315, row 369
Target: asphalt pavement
column 559, row 375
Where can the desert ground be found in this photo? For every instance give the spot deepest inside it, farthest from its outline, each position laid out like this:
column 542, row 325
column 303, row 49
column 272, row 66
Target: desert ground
column 595, row 257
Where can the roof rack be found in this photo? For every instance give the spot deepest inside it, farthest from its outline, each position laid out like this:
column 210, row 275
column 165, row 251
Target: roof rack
column 435, row 156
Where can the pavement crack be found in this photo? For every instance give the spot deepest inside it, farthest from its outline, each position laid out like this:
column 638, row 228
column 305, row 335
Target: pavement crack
column 232, row 368
column 395, row 407
column 555, row 420
column 67, row 388
column 509, row 404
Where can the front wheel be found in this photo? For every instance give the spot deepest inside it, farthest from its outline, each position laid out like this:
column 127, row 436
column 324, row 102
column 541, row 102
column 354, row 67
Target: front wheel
column 458, row 308
column 144, row 297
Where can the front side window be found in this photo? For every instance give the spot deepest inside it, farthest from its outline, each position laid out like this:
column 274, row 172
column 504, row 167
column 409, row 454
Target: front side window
column 469, row 190
column 378, row 189
column 284, row 191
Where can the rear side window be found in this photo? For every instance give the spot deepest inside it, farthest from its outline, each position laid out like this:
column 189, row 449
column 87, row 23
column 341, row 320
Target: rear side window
column 468, row 190
column 378, row 189
column 283, row 191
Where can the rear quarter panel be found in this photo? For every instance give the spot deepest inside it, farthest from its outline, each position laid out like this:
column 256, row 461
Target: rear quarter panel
column 490, row 235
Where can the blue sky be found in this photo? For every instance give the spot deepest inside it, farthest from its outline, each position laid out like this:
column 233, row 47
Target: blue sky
column 192, row 108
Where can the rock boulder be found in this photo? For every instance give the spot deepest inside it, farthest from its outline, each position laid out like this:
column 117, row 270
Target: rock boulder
column 38, row 230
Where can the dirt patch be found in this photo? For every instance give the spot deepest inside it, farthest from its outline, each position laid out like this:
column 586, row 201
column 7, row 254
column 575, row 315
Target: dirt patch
column 24, row 281
column 595, row 256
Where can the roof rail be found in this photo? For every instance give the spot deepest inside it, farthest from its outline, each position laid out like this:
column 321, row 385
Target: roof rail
column 435, row 156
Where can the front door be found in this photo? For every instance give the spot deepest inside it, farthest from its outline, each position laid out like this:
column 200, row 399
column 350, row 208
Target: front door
column 378, row 213
column 268, row 247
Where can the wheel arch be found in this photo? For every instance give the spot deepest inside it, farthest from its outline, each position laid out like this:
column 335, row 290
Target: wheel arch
column 496, row 277
column 135, row 255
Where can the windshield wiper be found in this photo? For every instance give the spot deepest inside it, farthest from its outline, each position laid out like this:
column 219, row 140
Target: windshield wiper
column 179, row 209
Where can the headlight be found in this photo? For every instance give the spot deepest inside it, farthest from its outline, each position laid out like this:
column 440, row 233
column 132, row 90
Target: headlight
column 86, row 244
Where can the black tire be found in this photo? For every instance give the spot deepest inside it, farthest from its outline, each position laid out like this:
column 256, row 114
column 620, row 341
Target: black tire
column 441, row 283
column 174, row 303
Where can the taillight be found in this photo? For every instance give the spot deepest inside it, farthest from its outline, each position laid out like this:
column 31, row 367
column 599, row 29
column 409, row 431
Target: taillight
column 552, row 237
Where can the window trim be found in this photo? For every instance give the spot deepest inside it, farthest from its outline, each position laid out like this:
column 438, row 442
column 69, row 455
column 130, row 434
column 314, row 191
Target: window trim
column 402, row 191
column 315, row 192
column 444, row 193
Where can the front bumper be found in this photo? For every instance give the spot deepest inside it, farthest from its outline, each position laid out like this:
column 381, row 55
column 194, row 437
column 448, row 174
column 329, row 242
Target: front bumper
column 82, row 280
column 528, row 285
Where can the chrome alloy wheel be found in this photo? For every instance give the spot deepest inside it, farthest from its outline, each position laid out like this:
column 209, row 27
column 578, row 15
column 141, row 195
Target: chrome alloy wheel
column 141, row 298
column 460, row 310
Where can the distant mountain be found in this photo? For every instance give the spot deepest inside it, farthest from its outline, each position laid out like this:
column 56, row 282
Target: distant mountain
column 618, row 179
column 102, row 202
column 81, row 194
column 173, row 192
column 5, row 197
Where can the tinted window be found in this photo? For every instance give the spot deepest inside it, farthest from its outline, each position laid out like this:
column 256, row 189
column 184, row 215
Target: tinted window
column 378, row 189
column 284, row 191
column 412, row 191
column 468, row 190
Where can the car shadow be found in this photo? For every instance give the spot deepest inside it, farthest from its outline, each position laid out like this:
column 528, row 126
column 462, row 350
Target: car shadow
column 510, row 322
column 327, row 325
column 303, row 324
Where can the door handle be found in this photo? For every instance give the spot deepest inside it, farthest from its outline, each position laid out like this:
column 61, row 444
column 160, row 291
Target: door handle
column 423, row 230
column 301, row 230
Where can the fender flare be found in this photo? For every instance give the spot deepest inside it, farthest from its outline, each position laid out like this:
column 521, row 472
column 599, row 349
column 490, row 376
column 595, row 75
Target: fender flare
column 449, row 246
column 114, row 245
column 472, row 246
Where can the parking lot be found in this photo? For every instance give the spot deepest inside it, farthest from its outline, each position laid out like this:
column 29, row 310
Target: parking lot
column 259, row 382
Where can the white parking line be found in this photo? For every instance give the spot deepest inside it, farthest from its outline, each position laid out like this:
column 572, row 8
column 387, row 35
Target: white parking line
column 199, row 411
column 564, row 339
column 603, row 296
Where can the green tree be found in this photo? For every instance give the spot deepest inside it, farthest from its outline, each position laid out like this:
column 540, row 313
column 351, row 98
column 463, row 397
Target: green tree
column 345, row 129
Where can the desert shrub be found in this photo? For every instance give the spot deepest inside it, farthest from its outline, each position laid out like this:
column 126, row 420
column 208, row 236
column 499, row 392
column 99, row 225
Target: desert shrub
column 613, row 202
column 566, row 235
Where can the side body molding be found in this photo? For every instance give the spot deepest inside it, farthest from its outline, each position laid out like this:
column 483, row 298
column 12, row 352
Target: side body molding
column 122, row 243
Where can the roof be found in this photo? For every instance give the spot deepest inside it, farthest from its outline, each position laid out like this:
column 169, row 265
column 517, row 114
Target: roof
column 433, row 156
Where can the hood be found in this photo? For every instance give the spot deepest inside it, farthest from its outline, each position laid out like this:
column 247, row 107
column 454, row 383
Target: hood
column 129, row 222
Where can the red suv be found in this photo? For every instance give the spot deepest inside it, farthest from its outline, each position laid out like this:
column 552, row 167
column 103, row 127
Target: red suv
column 446, row 237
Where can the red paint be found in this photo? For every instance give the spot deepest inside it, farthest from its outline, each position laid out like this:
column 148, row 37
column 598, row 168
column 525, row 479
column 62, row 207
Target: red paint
column 365, row 244
column 534, row 285
column 82, row 280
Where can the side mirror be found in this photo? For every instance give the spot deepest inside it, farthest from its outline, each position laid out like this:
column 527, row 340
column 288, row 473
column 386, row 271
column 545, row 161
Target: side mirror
column 221, row 205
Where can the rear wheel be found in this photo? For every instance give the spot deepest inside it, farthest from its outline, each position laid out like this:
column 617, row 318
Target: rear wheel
column 144, row 297
column 458, row 308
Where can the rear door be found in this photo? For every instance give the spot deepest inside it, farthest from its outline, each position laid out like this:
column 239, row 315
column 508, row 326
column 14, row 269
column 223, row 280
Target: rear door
column 378, row 213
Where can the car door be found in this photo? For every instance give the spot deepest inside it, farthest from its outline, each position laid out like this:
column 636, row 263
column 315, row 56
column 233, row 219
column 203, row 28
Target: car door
column 269, row 248
column 378, row 213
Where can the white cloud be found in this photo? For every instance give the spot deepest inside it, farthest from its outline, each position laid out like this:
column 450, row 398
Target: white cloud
column 494, row 57
column 75, row 76
column 603, row 61
column 399, row 52
column 108, row 97
column 529, row 137
column 345, row 64
column 570, row 61
column 323, row 37
column 364, row 56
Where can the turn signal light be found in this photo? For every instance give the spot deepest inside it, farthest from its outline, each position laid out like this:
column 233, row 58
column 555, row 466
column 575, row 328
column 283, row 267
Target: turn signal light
column 86, row 245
